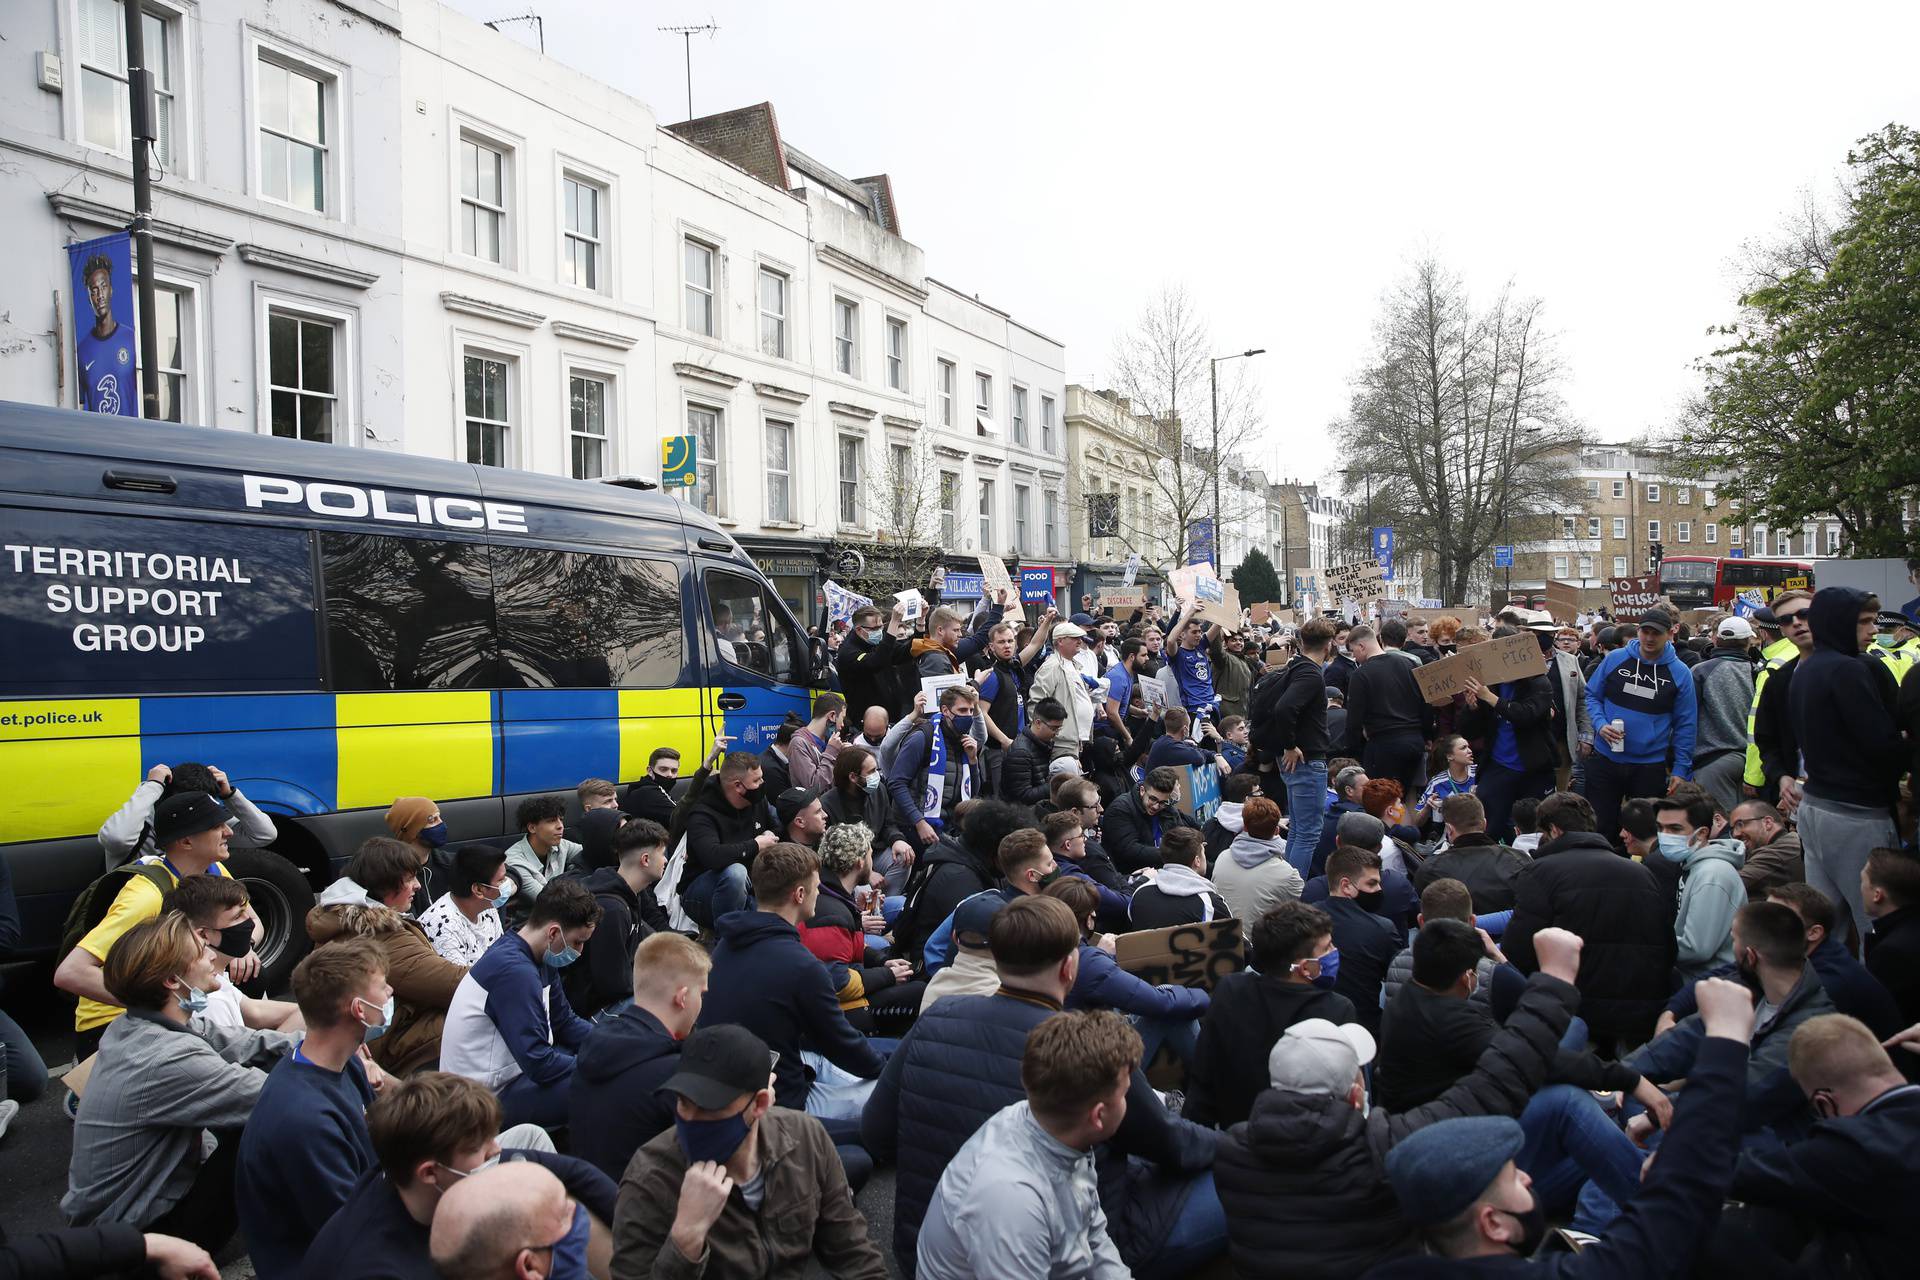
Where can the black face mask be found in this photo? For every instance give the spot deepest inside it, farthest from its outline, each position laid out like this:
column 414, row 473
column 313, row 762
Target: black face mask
column 1051, row 876
column 1372, row 901
column 1533, row 1228
column 235, row 940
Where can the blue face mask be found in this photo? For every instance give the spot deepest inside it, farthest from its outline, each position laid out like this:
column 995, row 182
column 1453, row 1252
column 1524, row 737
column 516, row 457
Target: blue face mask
column 873, row 636
column 386, row 1020
column 962, row 725
column 1329, row 969
column 872, row 781
column 570, row 1250
column 435, row 835
column 1674, row 848
column 505, row 894
column 714, row 1140
column 192, row 1000
column 563, row 959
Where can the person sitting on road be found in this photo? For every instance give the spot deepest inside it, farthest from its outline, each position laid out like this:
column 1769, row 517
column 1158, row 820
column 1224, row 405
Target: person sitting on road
column 652, row 796
column 162, row 1091
column 370, row 901
column 510, row 1026
column 840, row 932
column 629, row 913
column 543, row 852
column 416, row 822
column 465, row 920
column 1253, row 872
column 1181, row 892
column 129, row 833
column 1165, row 1015
column 217, row 908
column 306, row 1142
column 727, row 824
column 1134, row 824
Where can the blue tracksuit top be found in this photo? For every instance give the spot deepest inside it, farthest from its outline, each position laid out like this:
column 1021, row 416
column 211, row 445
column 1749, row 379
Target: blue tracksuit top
column 1655, row 701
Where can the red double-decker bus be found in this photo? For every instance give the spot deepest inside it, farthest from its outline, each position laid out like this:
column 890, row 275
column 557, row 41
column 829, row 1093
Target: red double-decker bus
column 1711, row 582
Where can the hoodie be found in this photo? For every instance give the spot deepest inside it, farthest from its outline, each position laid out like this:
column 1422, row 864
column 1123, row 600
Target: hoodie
column 1178, row 895
column 1654, row 700
column 972, row 973
column 1841, row 706
column 1254, row 876
column 1222, row 827
column 1710, row 892
column 1724, row 685
column 613, row 1101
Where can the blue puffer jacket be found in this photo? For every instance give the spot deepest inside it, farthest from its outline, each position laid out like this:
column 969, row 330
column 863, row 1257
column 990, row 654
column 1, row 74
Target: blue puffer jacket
column 958, row 1066
column 1103, row 984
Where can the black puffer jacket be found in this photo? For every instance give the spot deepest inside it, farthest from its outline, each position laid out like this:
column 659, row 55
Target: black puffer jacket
column 875, row 808
column 942, row 877
column 1529, row 711
column 1578, row 882
column 1023, row 770
column 1488, row 868
column 1304, row 1180
column 1132, row 836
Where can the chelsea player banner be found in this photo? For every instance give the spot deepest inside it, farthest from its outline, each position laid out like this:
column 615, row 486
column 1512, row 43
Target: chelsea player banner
column 103, row 320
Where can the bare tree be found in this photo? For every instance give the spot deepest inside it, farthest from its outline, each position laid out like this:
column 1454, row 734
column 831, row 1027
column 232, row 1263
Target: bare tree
column 1161, row 366
column 900, row 501
column 1457, row 427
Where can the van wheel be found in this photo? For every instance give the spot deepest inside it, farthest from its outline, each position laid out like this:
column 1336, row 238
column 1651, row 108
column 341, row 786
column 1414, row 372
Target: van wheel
column 281, row 897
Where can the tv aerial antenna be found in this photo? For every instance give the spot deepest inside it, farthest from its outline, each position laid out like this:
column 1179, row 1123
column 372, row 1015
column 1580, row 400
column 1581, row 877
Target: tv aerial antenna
column 539, row 26
column 686, row 34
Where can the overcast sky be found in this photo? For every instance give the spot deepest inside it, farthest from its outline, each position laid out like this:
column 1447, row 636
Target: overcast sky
column 1284, row 161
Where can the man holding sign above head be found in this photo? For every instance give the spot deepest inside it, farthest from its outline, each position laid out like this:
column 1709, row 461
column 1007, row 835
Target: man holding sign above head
column 1191, row 657
column 1514, row 719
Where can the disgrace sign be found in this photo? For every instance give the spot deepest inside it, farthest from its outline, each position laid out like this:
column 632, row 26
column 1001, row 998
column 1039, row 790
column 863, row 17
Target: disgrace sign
column 105, row 603
column 1492, row 663
column 1185, row 955
column 1123, row 598
column 1632, row 597
column 1349, row 581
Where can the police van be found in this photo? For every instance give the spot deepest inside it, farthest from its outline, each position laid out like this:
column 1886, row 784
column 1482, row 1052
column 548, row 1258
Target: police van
column 338, row 627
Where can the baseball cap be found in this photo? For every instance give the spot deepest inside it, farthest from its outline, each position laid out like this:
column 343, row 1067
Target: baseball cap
column 1064, row 764
column 1069, row 631
column 184, row 814
column 1081, row 619
column 1734, row 629
column 1657, row 618
column 1439, row 1170
column 972, row 918
column 790, row 802
column 719, row 1065
column 1317, row 1056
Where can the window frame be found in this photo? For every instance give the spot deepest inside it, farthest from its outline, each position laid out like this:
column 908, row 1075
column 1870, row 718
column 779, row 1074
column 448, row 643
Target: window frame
column 946, row 388
column 783, row 339
column 1022, row 516
column 988, row 511
column 1560, row 568
column 571, row 367
column 847, row 504
column 1584, row 563
column 1683, row 531
column 600, row 246
column 948, row 496
column 710, row 465
column 1619, row 488
column 1593, row 526
column 983, row 393
column 1049, row 419
column 337, row 192
column 1593, row 488
column 469, row 137
column 510, row 447
column 1653, row 491
column 1050, row 507
column 266, row 301
column 769, row 423
column 1620, row 565
column 711, row 290
column 898, row 362
column 1734, row 535
column 1683, row 495
column 846, row 337
column 182, row 90
column 901, row 474
column 1568, row 526
column 192, row 292
column 1653, row 531
column 1017, row 415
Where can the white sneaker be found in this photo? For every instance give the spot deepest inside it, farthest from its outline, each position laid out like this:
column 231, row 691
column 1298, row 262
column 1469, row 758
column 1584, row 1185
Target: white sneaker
column 8, row 1110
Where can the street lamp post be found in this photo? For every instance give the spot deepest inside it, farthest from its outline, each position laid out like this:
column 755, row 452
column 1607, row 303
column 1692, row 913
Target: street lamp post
column 1213, row 380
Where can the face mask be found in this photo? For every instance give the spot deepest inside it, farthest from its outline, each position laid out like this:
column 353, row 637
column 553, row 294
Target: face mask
column 1050, row 876
column 386, row 1020
column 563, row 959
column 714, row 1140
column 488, row 1163
column 962, row 725
column 873, row 636
column 871, row 782
column 1372, row 901
column 193, row 1001
column 235, row 940
column 1329, row 969
column 1533, row 1228
column 1674, row 848
column 435, row 835
column 501, row 901
column 570, row 1250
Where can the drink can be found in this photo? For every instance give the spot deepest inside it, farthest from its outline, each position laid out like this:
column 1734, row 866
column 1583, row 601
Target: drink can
column 863, row 897
column 1620, row 727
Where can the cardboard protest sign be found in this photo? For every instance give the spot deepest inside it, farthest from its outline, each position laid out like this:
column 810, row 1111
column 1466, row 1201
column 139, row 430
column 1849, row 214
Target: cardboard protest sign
column 995, row 578
column 1225, row 611
column 1495, row 662
column 1632, row 597
column 1123, row 599
column 1349, row 581
column 1182, row 581
column 1185, row 955
column 1563, row 601
column 1259, row 613
column 1199, row 791
column 1283, row 617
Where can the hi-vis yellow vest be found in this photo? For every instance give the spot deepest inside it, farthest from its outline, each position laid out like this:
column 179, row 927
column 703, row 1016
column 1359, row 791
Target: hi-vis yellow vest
column 1773, row 655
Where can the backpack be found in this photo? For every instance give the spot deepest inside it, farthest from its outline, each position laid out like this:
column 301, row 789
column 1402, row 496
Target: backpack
column 1263, row 701
column 91, row 907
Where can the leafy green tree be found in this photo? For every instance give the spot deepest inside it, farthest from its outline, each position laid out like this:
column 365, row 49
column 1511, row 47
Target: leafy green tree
column 1255, row 580
column 1812, row 403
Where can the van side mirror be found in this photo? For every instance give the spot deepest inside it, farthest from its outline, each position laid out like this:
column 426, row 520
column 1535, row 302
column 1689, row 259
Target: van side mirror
column 822, row 662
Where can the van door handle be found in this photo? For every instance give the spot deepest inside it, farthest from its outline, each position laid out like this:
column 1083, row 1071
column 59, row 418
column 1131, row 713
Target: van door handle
column 731, row 701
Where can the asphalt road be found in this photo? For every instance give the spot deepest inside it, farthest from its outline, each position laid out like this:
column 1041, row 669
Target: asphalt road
column 34, row 1154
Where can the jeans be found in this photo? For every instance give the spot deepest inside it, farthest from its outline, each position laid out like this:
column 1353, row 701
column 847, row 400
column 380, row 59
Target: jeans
column 1198, row 1233
column 1498, row 787
column 1569, row 1140
column 23, row 1077
column 522, row 1101
column 854, row 1158
column 713, row 894
column 1610, row 782
column 1177, row 1034
column 1836, row 839
column 613, row 1010
column 836, row 1094
column 1306, row 788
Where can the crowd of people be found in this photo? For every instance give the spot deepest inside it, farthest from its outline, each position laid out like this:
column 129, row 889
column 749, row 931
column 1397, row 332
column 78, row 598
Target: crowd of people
column 1613, row 970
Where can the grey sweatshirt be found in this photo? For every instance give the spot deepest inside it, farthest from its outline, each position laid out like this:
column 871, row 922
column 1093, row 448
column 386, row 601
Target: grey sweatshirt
column 1724, row 687
column 156, row 1089
column 128, row 834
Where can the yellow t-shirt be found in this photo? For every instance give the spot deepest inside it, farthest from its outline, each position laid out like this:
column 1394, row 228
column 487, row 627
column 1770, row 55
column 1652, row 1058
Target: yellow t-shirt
column 137, row 900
